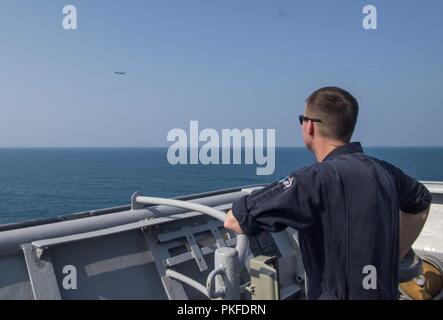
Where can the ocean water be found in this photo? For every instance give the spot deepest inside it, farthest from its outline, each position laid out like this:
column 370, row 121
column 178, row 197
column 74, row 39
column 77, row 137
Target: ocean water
column 41, row 183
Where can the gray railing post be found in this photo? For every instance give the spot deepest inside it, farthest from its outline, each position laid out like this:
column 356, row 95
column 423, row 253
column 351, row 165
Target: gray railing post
column 228, row 281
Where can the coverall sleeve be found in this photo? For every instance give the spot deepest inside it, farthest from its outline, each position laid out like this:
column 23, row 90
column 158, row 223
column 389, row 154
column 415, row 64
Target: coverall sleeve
column 293, row 201
column 414, row 196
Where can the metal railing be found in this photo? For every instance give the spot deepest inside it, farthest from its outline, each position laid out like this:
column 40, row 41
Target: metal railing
column 223, row 282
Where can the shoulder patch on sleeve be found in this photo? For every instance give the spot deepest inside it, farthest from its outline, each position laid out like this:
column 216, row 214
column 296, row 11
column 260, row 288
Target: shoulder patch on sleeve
column 287, row 182
column 269, row 192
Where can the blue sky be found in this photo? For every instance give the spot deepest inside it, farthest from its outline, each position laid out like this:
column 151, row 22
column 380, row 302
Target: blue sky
column 227, row 64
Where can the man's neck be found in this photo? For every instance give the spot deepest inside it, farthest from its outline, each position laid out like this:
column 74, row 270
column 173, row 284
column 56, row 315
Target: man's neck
column 324, row 148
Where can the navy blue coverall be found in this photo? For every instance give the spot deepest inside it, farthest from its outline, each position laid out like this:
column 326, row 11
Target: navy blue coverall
column 346, row 210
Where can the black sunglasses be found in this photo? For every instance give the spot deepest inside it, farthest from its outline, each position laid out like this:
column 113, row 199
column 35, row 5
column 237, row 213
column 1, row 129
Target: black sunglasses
column 303, row 118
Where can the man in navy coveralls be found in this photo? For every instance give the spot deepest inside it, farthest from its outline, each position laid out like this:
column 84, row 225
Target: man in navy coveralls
column 354, row 214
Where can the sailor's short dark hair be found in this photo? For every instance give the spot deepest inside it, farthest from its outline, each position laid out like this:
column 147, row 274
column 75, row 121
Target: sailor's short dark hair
column 338, row 111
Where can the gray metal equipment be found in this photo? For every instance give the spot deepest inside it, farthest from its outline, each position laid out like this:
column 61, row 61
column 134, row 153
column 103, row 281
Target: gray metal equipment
column 227, row 262
column 264, row 278
column 158, row 249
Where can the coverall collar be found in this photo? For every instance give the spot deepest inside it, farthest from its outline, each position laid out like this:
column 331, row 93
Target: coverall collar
column 353, row 147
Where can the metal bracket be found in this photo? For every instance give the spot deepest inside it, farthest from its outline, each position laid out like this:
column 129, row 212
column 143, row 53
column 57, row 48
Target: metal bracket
column 195, row 249
column 134, row 204
column 41, row 273
column 217, row 235
column 174, row 289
